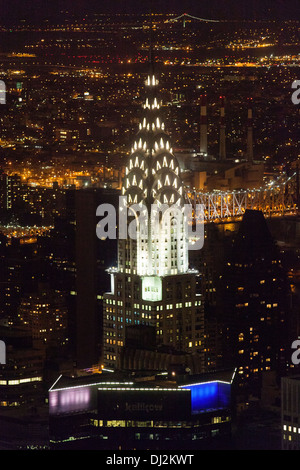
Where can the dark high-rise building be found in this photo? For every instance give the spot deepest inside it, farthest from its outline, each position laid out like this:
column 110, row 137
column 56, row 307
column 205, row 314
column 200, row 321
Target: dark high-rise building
column 44, row 314
column 3, row 181
column 76, row 270
column 92, row 258
column 209, row 261
column 20, row 272
column 10, row 190
column 21, row 378
column 255, row 304
column 290, row 413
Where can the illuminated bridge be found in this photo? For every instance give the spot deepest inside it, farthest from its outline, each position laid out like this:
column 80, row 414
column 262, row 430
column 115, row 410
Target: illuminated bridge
column 278, row 198
column 185, row 16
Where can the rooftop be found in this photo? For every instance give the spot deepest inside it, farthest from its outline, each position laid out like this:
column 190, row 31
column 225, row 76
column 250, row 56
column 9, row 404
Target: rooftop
column 160, row 380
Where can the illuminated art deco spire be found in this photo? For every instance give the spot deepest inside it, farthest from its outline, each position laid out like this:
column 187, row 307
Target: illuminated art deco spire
column 152, row 173
column 152, row 179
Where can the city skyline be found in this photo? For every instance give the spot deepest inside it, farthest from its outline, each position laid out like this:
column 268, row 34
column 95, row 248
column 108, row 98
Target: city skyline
column 139, row 341
column 233, row 9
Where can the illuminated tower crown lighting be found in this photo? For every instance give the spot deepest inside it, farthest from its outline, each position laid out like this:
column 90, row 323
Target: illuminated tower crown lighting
column 152, row 179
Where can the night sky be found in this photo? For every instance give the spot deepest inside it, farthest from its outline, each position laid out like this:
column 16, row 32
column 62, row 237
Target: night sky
column 14, row 10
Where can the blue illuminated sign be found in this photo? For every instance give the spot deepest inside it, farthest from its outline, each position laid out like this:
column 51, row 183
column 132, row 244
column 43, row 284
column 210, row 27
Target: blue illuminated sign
column 209, row 395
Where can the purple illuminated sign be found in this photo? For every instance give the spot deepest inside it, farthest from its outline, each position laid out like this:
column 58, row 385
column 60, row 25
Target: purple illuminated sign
column 69, row 400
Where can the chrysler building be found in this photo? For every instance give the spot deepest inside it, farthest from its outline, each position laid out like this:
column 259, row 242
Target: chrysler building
column 152, row 284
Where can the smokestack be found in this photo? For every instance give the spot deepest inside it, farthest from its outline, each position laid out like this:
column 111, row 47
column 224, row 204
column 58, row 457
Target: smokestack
column 250, row 132
column 222, row 150
column 203, row 125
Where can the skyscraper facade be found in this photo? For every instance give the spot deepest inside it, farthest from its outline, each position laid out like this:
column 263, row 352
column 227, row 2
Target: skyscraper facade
column 152, row 284
column 255, row 314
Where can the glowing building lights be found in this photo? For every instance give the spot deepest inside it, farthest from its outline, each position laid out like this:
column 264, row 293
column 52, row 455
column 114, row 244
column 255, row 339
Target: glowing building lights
column 166, row 188
column 159, row 250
